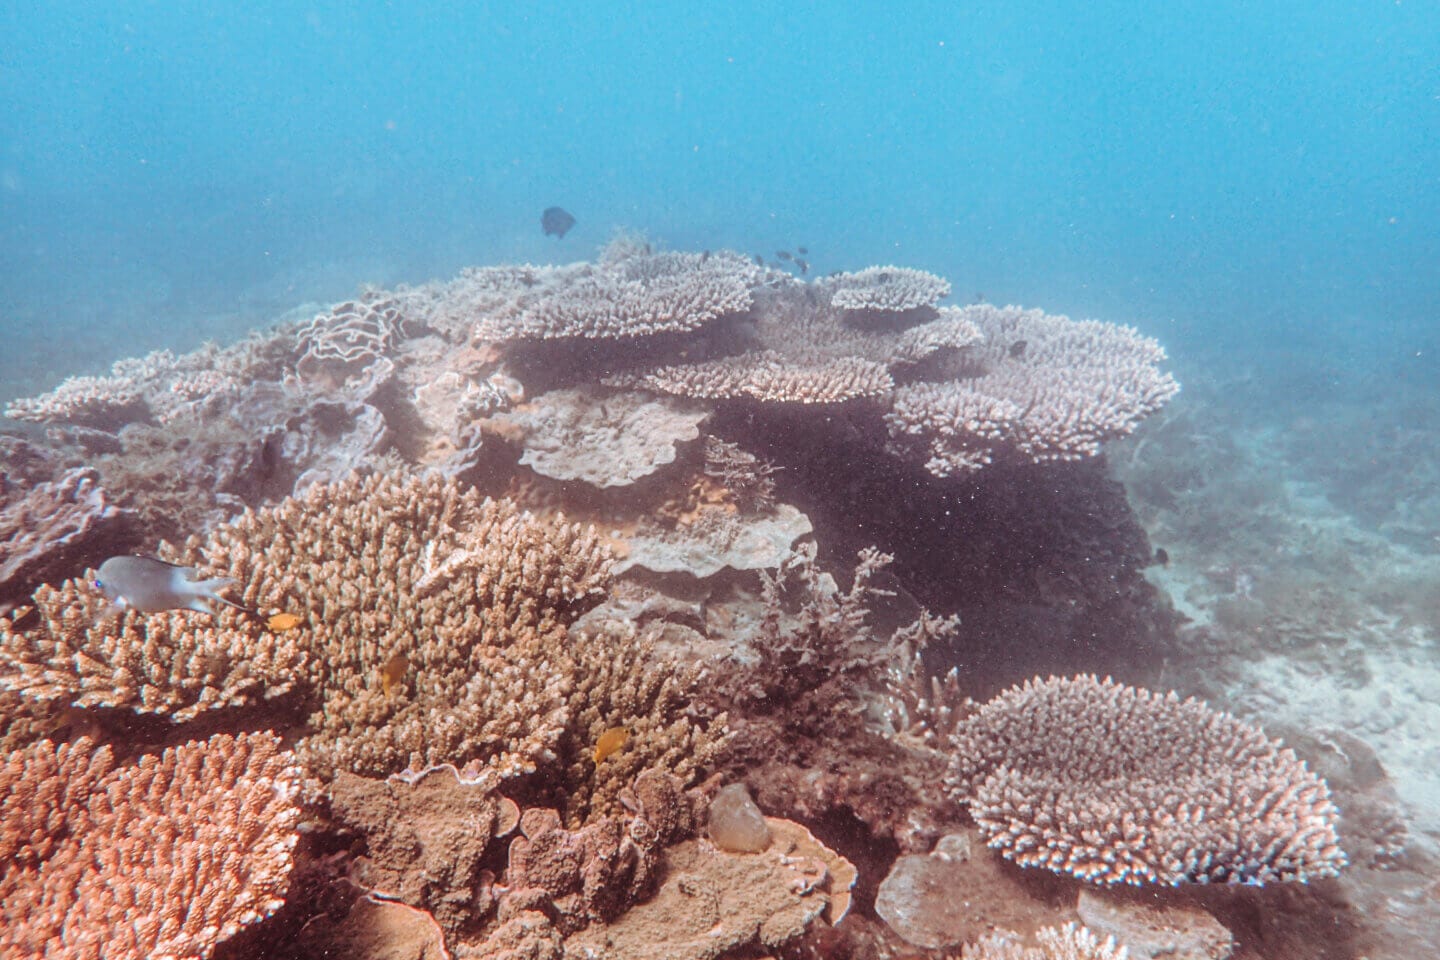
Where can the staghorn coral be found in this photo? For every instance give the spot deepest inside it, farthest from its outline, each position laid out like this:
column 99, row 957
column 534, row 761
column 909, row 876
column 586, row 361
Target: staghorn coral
column 807, row 703
column 178, row 663
column 1118, row 785
column 884, row 289
column 469, row 597
column 1070, row 942
column 745, row 477
column 1040, row 388
column 163, row 857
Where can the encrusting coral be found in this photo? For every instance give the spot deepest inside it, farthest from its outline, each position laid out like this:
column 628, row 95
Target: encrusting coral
column 162, row 857
column 1113, row 784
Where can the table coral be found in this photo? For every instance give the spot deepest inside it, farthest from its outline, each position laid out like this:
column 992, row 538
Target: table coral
column 1113, row 784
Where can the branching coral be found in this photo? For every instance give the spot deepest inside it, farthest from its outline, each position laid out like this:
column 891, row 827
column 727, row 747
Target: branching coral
column 885, row 289
column 1070, row 942
column 165, row 857
column 628, row 292
column 806, row 350
column 437, row 618
column 1113, row 784
column 178, row 663
column 1039, row 388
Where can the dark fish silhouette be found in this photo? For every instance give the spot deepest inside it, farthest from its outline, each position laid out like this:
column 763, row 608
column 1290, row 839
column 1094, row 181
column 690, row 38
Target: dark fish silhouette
column 759, row 260
column 1162, row 557
column 802, row 251
column 557, row 221
column 783, row 254
column 804, row 265
column 1017, row 349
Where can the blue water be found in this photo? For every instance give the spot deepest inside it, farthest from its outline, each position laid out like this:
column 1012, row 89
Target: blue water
column 1242, row 180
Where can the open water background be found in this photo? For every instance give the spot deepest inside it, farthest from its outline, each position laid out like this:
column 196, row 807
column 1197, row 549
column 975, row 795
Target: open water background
column 1256, row 184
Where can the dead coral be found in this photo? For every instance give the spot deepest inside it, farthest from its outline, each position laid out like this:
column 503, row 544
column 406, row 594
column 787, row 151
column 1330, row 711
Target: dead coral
column 607, row 440
column 426, row 838
column 1113, row 784
column 712, row 903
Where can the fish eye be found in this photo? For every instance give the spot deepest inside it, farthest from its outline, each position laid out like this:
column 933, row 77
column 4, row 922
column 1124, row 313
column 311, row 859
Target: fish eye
column 97, row 584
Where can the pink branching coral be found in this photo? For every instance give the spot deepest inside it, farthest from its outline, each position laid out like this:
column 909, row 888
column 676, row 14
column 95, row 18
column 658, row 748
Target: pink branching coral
column 165, row 857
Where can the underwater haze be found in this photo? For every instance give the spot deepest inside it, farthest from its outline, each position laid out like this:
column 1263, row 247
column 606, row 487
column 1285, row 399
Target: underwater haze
column 712, row 481
column 1235, row 178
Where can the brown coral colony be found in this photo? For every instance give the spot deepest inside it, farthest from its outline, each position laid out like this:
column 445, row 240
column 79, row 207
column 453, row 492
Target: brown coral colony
column 532, row 634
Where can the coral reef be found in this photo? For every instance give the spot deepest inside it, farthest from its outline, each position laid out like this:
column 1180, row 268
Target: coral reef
column 802, row 349
column 48, row 527
column 162, row 857
column 1070, row 942
column 466, row 600
column 1117, row 785
column 604, row 440
column 885, row 289
column 629, row 292
column 74, row 647
column 1038, row 388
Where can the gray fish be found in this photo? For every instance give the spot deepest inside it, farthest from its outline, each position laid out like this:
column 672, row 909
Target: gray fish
column 557, row 221
column 784, row 254
column 150, row 586
column 802, row 251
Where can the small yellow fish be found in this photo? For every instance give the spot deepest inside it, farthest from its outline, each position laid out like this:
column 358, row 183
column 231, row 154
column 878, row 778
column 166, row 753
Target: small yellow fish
column 280, row 622
column 393, row 674
column 610, row 742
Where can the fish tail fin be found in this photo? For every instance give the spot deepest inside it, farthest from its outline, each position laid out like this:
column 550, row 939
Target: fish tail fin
column 211, row 591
